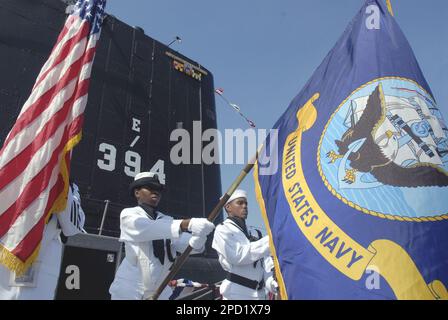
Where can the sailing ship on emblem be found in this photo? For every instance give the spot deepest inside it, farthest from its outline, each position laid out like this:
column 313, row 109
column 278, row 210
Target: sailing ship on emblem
column 391, row 140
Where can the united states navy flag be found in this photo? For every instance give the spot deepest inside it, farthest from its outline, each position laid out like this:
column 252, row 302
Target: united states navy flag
column 358, row 208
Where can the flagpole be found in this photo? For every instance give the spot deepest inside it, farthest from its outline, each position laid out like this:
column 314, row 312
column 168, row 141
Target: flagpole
column 211, row 217
column 389, row 7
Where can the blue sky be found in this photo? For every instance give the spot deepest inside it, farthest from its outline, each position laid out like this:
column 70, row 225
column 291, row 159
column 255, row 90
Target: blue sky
column 262, row 52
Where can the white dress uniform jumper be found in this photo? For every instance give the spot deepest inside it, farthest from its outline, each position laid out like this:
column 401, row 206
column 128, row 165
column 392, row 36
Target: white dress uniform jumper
column 243, row 261
column 151, row 240
column 151, row 243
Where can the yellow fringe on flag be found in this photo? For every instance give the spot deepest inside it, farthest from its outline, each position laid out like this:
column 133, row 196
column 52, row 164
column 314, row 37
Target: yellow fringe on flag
column 61, row 202
column 283, row 295
column 12, row 262
column 389, row 7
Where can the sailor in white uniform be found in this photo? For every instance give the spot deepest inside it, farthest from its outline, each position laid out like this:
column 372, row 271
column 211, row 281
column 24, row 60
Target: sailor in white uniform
column 40, row 280
column 151, row 241
column 241, row 256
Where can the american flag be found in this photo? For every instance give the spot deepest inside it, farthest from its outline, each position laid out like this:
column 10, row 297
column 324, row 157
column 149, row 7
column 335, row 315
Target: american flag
column 183, row 287
column 35, row 157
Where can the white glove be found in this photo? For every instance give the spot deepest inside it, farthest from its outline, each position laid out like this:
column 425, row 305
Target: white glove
column 200, row 226
column 197, row 242
column 272, row 285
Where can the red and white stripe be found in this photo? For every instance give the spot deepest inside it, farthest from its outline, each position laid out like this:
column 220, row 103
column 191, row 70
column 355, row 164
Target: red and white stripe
column 32, row 154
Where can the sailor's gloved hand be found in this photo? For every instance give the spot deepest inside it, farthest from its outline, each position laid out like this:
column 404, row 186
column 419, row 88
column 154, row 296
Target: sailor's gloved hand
column 200, row 226
column 197, row 242
column 272, row 285
column 261, row 246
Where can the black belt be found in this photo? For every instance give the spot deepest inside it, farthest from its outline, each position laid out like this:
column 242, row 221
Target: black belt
column 245, row 282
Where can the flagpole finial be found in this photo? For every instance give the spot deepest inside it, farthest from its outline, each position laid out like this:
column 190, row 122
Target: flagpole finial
column 389, row 7
column 176, row 39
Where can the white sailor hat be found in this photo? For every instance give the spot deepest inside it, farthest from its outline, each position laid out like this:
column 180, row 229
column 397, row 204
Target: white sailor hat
column 146, row 179
column 238, row 193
